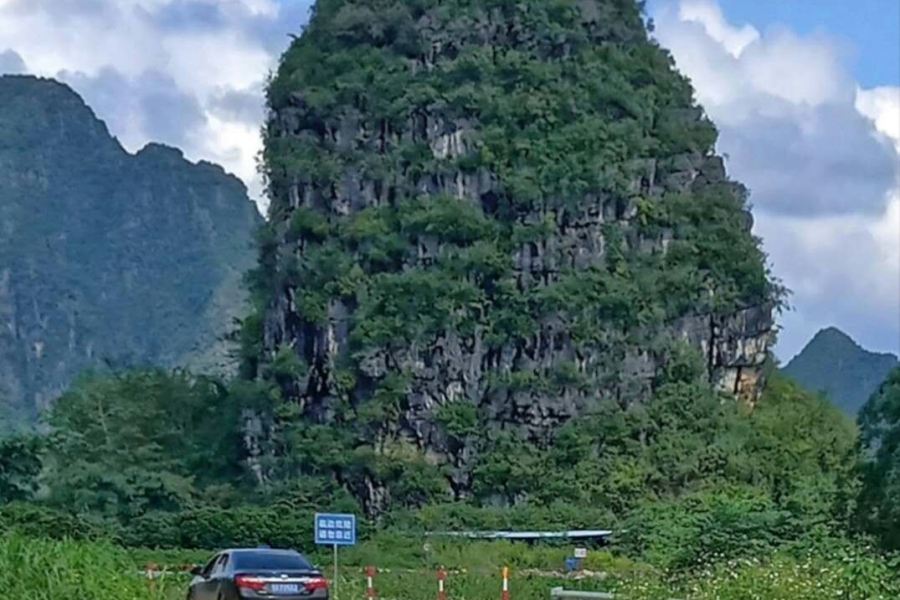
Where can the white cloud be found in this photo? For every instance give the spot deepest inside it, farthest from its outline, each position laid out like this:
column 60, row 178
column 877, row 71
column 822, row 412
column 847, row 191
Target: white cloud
column 236, row 143
column 731, row 65
column 709, row 15
column 798, row 70
column 205, row 62
column 815, row 152
column 262, row 7
column 882, row 105
column 11, row 63
column 832, row 248
column 843, row 271
column 157, row 70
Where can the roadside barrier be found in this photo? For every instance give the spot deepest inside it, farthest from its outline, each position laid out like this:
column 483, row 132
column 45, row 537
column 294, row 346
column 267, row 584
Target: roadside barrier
column 561, row 593
column 153, row 572
column 558, row 593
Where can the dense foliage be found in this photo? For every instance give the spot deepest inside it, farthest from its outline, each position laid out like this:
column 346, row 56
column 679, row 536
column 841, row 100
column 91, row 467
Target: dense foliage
column 832, row 363
column 20, row 465
column 158, row 459
column 880, row 424
column 146, row 441
column 48, row 570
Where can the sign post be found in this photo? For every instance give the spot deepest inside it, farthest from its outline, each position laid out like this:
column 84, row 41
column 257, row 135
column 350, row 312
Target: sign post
column 335, row 530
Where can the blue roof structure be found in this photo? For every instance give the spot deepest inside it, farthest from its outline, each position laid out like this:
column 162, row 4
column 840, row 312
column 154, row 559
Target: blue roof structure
column 526, row 535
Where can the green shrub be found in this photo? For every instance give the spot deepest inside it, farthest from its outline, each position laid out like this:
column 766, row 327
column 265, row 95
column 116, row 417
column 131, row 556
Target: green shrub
column 41, row 569
column 707, row 527
column 212, row 528
column 40, row 521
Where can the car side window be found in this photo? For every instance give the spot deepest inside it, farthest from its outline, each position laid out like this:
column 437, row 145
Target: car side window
column 208, row 569
column 221, row 565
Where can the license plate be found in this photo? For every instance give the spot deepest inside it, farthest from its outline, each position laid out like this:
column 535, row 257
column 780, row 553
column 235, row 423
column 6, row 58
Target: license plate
column 284, row 588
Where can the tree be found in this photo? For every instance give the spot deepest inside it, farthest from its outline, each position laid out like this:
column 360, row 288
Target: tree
column 146, row 440
column 879, row 511
column 20, row 466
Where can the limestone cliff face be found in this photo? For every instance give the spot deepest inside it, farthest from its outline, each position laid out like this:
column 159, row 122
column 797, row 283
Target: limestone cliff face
column 107, row 259
column 513, row 207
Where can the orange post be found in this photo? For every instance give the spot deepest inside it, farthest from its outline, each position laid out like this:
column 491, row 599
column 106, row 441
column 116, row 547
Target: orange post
column 370, row 583
column 442, row 580
column 505, row 595
column 151, row 574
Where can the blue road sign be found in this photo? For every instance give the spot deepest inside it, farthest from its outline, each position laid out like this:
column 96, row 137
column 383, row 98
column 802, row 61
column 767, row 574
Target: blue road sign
column 335, row 530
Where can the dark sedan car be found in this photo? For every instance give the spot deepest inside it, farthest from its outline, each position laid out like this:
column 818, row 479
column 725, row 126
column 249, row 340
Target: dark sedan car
column 256, row 574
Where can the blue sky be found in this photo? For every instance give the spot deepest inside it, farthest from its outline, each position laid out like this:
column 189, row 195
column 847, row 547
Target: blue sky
column 806, row 95
column 869, row 28
column 806, row 98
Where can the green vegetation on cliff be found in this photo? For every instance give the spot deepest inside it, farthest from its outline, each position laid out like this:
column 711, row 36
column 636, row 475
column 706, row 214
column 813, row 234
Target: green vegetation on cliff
column 488, row 219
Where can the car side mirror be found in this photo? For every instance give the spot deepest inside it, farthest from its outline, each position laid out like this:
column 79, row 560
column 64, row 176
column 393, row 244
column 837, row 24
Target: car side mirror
column 197, row 571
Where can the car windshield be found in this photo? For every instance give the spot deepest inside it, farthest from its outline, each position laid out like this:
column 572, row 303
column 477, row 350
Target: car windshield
column 270, row 561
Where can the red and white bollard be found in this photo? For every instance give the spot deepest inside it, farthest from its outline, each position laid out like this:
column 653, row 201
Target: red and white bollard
column 370, row 583
column 505, row 595
column 442, row 588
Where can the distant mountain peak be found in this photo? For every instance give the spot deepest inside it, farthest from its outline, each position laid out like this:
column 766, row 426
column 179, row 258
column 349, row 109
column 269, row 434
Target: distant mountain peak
column 155, row 148
column 832, row 339
column 833, row 333
column 833, row 336
column 107, row 259
column 835, row 364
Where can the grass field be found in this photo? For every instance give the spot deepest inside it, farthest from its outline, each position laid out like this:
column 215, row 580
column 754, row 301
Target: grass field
column 50, row 570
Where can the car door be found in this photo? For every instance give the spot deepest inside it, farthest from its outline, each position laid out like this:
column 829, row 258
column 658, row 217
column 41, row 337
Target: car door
column 218, row 580
column 202, row 586
column 227, row 588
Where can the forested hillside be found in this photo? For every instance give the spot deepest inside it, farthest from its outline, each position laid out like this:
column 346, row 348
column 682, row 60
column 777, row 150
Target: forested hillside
column 107, row 260
column 832, row 363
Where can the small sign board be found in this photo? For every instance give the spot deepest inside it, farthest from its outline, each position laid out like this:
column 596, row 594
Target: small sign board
column 580, row 552
column 335, row 529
